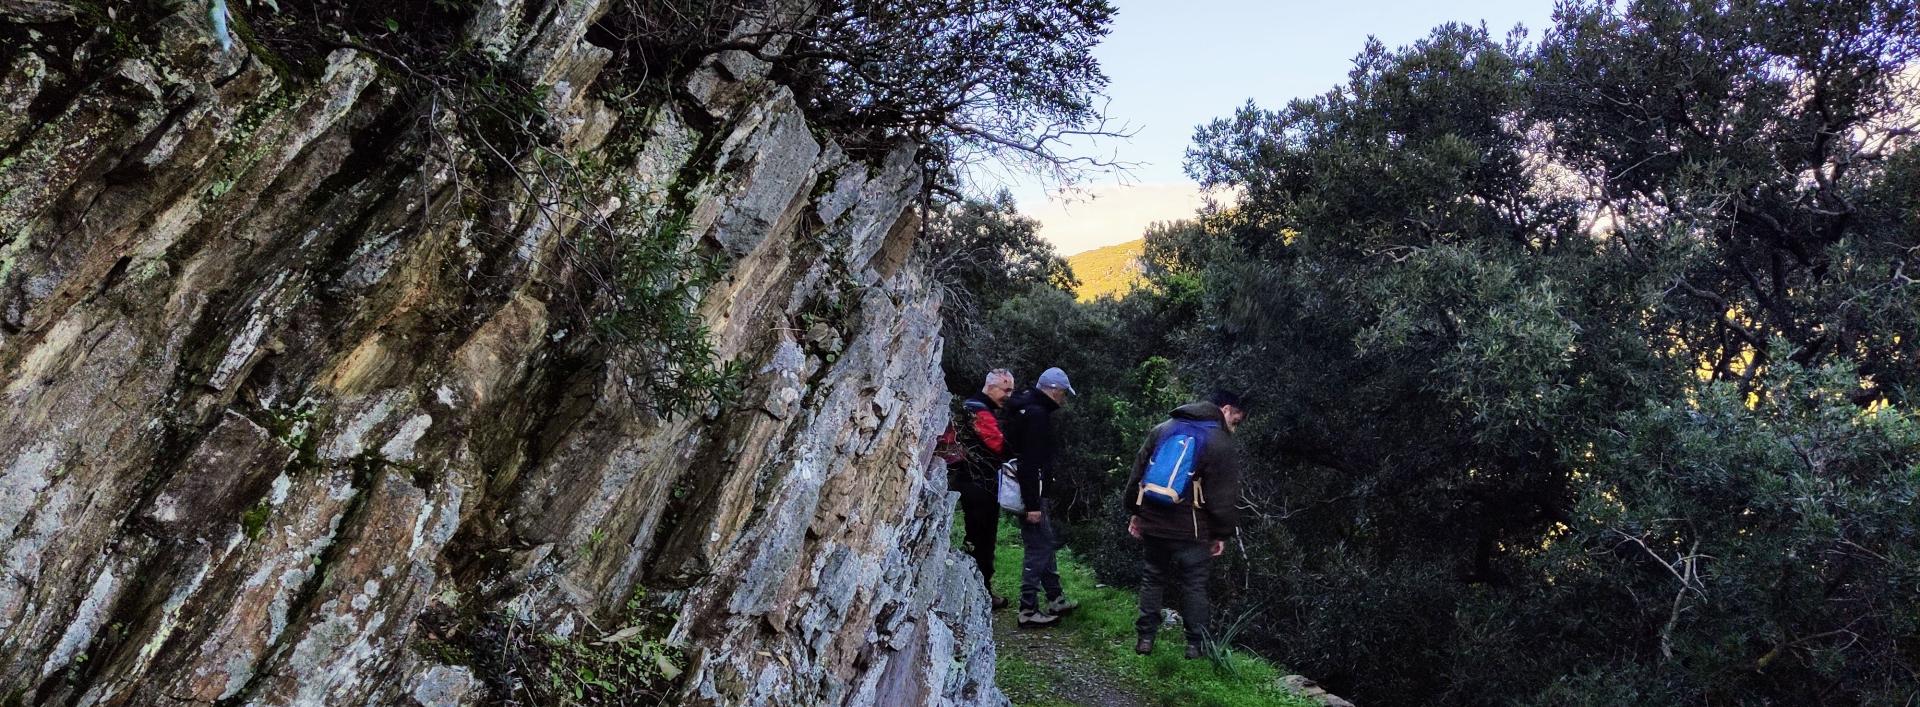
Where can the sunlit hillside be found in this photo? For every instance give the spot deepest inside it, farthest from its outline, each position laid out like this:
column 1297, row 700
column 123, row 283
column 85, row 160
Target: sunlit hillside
column 1107, row 271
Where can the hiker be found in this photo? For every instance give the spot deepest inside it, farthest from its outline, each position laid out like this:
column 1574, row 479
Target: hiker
column 984, row 448
column 1182, row 498
column 1030, row 429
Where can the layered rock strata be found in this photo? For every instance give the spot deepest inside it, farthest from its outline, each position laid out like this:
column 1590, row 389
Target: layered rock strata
column 296, row 406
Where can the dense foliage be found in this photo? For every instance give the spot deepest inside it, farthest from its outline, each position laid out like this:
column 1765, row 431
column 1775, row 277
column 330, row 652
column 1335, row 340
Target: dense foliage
column 1584, row 370
column 968, row 79
column 987, row 259
column 1011, row 82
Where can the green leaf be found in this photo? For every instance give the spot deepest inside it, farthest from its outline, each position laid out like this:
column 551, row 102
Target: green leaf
column 667, row 669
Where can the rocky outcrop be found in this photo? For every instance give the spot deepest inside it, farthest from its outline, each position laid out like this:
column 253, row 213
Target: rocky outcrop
column 300, row 402
column 1305, row 687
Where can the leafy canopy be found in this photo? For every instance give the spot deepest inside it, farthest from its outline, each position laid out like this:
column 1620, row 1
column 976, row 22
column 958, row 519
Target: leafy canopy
column 1584, row 369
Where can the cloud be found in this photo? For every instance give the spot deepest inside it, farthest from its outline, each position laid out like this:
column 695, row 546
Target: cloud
column 1108, row 214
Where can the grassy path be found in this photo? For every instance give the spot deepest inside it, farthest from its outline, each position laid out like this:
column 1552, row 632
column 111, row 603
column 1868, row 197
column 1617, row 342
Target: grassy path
column 1088, row 659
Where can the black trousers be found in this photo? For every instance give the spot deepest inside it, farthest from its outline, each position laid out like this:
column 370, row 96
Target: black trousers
column 1175, row 564
column 981, row 511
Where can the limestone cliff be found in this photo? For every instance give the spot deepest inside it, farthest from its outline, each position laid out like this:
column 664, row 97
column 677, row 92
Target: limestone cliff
column 301, row 400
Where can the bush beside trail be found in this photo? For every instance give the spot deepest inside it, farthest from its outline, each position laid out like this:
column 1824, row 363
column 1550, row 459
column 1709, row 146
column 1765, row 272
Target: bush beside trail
column 1583, row 369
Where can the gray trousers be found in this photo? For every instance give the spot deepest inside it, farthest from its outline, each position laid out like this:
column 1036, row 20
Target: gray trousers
column 1180, row 564
column 1038, row 571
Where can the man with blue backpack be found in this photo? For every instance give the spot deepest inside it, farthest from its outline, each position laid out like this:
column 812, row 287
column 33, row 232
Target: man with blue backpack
column 1182, row 497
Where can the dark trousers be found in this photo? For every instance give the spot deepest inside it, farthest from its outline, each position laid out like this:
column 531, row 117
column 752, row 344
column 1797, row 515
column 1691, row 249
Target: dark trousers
column 1038, row 571
column 1179, row 564
column 981, row 512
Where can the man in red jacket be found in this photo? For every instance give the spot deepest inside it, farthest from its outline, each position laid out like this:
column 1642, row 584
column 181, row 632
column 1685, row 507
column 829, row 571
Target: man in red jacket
column 979, row 434
column 1181, row 539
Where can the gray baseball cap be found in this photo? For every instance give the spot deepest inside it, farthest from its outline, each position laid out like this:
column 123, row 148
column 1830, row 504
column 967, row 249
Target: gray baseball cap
column 1055, row 378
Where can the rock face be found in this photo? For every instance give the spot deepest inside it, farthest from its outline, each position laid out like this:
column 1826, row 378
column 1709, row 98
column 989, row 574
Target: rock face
column 1306, row 687
column 295, row 407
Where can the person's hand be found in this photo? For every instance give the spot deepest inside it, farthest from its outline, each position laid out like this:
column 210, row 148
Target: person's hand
column 1133, row 526
column 1219, row 548
column 1033, row 517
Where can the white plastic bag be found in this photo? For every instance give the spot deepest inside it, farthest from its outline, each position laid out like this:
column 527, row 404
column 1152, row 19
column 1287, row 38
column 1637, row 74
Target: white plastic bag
column 1009, row 489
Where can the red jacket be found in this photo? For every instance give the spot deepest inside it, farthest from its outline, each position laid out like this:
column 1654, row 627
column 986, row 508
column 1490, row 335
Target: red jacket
column 980, row 436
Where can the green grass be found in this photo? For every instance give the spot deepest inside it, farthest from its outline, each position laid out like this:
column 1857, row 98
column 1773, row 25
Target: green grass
column 1101, row 631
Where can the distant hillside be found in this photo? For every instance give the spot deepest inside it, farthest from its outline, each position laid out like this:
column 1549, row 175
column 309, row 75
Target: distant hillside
column 1108, row 271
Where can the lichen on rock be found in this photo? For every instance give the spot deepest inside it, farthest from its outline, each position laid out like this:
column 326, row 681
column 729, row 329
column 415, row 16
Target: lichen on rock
column 308, row 397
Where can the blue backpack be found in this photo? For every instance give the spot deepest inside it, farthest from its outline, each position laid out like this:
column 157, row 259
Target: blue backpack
column 1170, row 471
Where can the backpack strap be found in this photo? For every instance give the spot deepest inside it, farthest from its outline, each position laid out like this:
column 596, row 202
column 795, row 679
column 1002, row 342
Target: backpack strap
column 1205, row 428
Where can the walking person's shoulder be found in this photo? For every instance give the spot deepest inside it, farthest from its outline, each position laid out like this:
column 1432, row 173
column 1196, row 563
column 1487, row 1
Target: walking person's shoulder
column 1221, row 442
column 1218, row 444
column 1203, row 413
column 1027, row 404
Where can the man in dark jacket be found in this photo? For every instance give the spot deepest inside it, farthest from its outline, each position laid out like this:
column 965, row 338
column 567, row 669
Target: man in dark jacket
column 978, row 432
column 1030, row 430
column 1180, row 539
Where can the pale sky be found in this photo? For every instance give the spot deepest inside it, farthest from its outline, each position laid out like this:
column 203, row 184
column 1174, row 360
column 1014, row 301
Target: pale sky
column 1177, row 64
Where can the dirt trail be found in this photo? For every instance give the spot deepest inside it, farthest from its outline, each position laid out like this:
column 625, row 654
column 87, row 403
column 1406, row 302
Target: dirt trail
column 1073, row 678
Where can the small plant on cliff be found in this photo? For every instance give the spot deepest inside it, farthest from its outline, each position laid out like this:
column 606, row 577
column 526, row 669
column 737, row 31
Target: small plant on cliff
column 630, row 273
column 631, row 663
column 620, row 668
column 626, row 665
column 644, row 276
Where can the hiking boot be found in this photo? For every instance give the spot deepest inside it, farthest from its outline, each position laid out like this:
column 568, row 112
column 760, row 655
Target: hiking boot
column 1194, row 651
column 999, row 602
column 1061, row 605
column 1144, row 646
column 1030, row 618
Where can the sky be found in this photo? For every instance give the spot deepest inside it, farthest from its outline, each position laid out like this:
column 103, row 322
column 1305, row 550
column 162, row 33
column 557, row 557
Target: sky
column 1178, row 64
